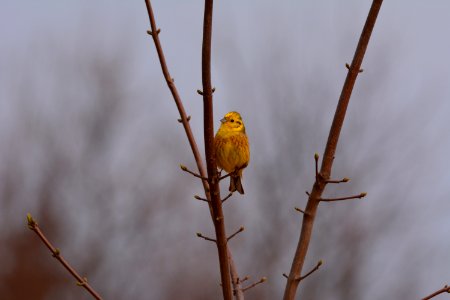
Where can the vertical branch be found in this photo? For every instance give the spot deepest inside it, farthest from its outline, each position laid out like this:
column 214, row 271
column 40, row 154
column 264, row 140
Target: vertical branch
column 330, row 149
column 216, row 203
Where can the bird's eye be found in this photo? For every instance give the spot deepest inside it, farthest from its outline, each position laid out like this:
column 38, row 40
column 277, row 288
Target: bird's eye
column 231, row 120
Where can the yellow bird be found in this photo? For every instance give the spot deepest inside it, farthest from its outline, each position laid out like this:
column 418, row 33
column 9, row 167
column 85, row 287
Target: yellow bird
column 232, row 149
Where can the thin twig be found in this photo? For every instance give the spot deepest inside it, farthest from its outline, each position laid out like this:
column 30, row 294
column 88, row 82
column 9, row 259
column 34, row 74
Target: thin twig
column 316, row 160
column 445, row 289
column 312, row 271
column 81, row 281
column 185, row 169
column 263, row 279
column 200, row 198
column 227, row 197
column 205, row 237
column 232, row 173
column 328, row 157
column 299, row 210
column 345, row 179
column 237, row 232
column 362, row 195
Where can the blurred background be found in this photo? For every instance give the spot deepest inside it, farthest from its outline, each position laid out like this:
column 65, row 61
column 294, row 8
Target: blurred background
column 90, row 146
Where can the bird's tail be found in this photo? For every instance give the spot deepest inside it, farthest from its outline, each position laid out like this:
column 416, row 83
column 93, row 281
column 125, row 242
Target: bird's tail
column 236, row 184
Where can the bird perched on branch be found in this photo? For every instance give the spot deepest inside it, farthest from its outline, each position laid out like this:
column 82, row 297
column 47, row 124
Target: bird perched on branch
column 232, row 149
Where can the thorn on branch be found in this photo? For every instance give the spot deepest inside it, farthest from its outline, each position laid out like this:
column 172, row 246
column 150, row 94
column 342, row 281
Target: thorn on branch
column 237, row 232
column 345, row 179
column 185, row 169
column 205, row 237
column 157, row 31
column 213, row 89
column 285, row 276
column 200, row 92
column 263, row 279
column 227, row 197
column 187, row 119
column 307, row 193
column 312, row 271
column 200, row 198
column 362, row 195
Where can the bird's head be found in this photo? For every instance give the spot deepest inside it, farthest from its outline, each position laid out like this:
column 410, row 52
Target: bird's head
column 232, row 121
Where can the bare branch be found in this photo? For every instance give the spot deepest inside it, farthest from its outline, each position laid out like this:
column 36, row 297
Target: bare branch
column 237, row 232
column 319, row 263
column 211, row 166
column 445, row 289
column 232, row 173
column 200, row 198
column 316, row 160
column 237, row 288
column 212, row 192
column 362, row 195
column 345, row 179
column 299, row 210
column 328, row 156
column 263, row 279
column 227, row 197
column 185, row 169
column 205, row 237
column 56, row 253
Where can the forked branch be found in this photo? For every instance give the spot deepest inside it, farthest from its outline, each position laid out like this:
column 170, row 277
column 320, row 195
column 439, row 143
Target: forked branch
column 209, row 175
column 56, row 253
column 328, row 157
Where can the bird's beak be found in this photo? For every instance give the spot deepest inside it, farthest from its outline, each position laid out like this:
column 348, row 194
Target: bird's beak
column 223, row 120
